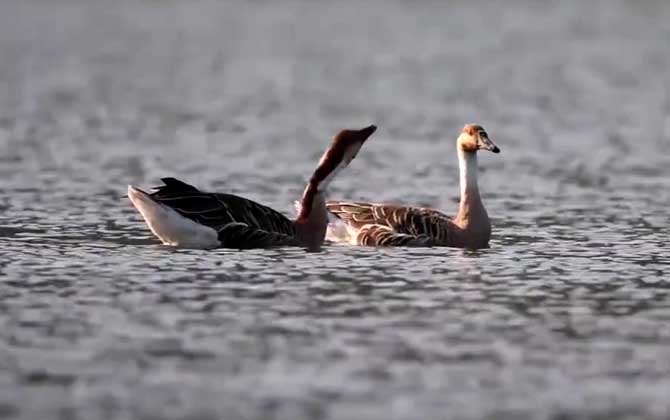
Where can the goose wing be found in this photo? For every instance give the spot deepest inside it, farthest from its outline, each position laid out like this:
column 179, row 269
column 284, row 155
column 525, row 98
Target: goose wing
column 380, row 235
column 416, row 222
column 242, row 236
column 218, row 210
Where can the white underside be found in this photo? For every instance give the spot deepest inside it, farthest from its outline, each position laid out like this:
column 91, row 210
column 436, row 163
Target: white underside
column 340, row 232
column 171, row 227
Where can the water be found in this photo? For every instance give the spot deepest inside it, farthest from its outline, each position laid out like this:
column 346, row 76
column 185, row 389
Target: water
column 566, row 316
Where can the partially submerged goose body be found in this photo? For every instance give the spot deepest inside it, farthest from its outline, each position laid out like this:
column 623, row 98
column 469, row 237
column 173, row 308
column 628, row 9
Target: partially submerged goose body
column 181, row 215
column 395, row 225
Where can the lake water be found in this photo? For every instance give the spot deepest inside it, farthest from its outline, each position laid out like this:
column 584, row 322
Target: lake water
column 566, row 316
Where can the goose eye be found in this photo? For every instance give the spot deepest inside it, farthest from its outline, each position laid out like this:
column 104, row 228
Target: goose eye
column 483, row 134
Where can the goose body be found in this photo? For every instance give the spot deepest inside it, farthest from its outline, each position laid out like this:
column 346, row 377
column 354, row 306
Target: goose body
column 375, row 224
column 181, row 215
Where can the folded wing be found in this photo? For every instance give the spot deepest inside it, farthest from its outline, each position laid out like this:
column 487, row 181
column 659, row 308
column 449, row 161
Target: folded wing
column 242, row 236
column 392, row 225
column 218, row 210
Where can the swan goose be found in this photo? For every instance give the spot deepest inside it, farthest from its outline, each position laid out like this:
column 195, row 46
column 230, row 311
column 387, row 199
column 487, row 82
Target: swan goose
column 181, row 215
column 371, row 224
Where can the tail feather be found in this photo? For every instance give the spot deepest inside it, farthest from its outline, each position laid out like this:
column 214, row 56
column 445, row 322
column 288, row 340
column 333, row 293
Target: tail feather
column 176, row 186
column 340, row 232
column 337, row 232
column 169, row 226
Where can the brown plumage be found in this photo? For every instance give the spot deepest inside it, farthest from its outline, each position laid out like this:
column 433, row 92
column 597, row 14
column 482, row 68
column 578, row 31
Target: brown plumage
column 180, row 214
column 397, row 225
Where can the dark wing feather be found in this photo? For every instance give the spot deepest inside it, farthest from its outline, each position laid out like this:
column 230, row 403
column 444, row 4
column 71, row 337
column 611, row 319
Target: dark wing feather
column 217, row 210
column 241, row 236
column 174, row 185
column 414, row 221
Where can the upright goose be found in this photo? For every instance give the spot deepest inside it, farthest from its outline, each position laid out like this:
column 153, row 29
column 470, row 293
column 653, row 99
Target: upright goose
column 181, row 215
column 394, row 225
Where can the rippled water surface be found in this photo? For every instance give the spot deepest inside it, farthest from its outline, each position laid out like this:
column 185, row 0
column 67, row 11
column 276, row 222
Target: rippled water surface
column 566, row 316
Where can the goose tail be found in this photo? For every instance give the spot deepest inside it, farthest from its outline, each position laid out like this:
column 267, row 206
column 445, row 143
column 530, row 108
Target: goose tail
column 337, row 232
column 169, row 226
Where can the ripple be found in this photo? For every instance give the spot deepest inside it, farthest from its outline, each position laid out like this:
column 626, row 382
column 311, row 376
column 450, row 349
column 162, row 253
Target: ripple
column 570, row 304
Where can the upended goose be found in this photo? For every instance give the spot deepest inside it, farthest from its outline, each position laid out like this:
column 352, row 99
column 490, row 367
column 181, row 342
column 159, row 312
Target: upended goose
column 181, row 215
column 394, row 225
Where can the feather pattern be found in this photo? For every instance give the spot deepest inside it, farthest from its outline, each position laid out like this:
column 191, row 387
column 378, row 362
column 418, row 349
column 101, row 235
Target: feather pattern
column 391, row 225
column 380, row 235
column 240, row 222
column 242, row 236
column 179, row 214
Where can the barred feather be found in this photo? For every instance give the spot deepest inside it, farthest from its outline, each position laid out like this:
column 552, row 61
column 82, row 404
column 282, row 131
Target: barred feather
column 391, row 225
column 379, row 235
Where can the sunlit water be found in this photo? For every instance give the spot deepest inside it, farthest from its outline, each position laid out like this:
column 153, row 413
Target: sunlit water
column 566, row 316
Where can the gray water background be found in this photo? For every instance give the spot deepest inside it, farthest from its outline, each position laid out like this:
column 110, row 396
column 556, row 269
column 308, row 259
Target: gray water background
column 566, row 316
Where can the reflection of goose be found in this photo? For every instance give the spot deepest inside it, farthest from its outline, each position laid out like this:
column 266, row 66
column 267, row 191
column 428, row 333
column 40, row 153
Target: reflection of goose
column 393, row 225
column 181, row 215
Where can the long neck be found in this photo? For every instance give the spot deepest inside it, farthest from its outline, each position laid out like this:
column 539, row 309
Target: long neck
column 467, row 164
column 312, row 221
column 471, row 212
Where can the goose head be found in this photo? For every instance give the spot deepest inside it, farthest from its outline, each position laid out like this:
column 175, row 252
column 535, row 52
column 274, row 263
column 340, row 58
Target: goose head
column 473, row 138
column 343, row 149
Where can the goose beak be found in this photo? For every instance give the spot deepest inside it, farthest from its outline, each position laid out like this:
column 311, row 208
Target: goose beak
column 485, row 143
column 366, row 132
column 356, row 139
column 342, row 151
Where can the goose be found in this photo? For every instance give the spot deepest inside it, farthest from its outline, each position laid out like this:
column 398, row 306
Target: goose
column 181, row 215
column 372, row 224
